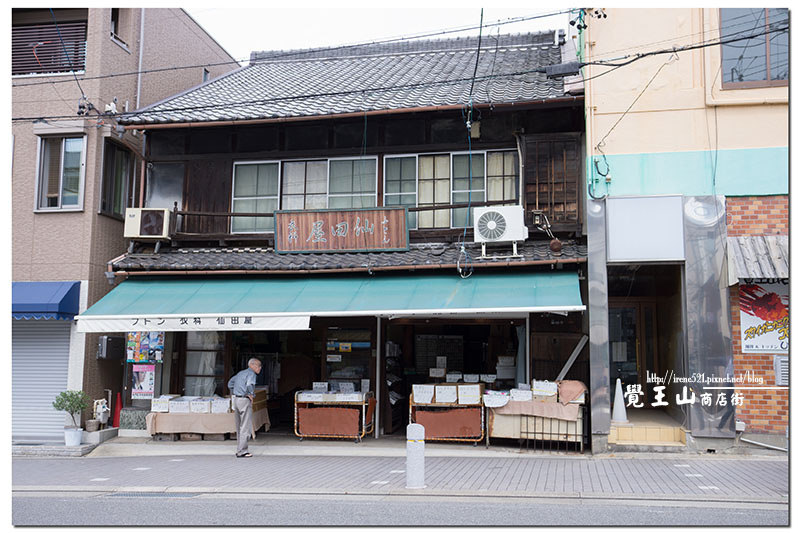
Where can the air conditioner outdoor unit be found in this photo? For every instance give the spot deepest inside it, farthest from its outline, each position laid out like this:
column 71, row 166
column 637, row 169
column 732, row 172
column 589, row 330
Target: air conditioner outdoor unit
column 500, row 224
column 146, row 223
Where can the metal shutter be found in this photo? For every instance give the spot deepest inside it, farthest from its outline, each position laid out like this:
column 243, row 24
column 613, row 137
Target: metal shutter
column 39, row 361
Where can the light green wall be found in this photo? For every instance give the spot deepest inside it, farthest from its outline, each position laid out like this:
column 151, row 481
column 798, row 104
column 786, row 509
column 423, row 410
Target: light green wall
column 752, row 172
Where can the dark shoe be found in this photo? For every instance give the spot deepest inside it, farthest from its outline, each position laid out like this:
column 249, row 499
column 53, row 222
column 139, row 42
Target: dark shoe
column 248, row 454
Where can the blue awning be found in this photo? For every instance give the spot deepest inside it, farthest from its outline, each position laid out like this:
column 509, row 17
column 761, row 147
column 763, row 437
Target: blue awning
column 283, row 303
column 45, row 300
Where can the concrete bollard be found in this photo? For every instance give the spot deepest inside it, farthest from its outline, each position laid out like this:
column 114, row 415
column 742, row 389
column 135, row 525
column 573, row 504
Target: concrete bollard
column 415, row 456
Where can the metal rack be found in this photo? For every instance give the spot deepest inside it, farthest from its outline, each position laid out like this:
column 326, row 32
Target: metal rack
column 366, row 425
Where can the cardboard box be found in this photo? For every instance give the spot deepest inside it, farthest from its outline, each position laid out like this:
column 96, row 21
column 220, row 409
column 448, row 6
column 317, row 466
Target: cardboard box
column 180, row 405
column 161, row 404
column 260, row 395
column 201, row 405
column 220, row 405
column 470, row 394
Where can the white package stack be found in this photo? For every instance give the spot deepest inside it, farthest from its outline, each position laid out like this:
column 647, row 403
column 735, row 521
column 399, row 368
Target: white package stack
column 470, row 378
column 308, row 396
column 488, row 378
column 423, row 393
column 182, row 404
column 161, row 404
column 469, row 394
column 201, row 405
column 545, row 388
column 519, row 395
column 453, row 377
column 446, row 394
column 220, row 405
column 436, row 372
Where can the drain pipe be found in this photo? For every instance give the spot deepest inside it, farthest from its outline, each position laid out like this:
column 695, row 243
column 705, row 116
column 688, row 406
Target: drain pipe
column 770, row 446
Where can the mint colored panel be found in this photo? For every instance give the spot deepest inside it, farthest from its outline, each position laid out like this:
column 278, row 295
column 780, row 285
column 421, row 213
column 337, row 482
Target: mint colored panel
column 753, row 172
column 346, row 294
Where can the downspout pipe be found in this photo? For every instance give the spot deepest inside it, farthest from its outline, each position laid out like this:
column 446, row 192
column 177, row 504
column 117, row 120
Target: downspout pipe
column 770, row 446
column 141, row 54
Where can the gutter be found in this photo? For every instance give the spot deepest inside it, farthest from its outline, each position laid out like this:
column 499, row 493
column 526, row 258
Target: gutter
column 506, row 263
column 356, row 114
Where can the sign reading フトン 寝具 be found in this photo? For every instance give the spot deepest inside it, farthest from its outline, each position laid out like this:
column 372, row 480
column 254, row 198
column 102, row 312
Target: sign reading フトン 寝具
column 764, row 313
column 331, row 230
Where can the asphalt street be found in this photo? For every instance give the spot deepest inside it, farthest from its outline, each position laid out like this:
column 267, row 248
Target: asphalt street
column 149, row 509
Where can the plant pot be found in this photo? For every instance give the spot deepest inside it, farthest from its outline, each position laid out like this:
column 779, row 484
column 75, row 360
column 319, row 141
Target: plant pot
column 92, row 425
column 72, row 436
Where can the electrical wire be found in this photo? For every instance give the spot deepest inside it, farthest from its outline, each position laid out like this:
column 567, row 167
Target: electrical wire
column 294, row 53
column 66, row 54
column 390, row 88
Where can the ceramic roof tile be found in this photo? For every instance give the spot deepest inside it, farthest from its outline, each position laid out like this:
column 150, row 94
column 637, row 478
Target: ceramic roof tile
column 387, row 76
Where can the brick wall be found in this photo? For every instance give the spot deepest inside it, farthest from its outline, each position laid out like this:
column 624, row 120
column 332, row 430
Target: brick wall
column 757, row 215
column 763, row 411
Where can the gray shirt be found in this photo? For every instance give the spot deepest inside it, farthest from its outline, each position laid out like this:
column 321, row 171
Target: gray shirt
column 242, row 383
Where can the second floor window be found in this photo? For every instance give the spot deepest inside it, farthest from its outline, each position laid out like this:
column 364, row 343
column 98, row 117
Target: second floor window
column 60, row 183
column 352, row 183
column 304, row 185
column 117, row 169
column 255, row 190
column 761, row 57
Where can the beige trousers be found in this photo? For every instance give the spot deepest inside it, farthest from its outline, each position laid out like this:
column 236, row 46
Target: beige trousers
column 243, row 411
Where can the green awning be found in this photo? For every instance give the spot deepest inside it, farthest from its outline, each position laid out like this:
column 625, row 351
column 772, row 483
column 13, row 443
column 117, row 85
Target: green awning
column 284, row 303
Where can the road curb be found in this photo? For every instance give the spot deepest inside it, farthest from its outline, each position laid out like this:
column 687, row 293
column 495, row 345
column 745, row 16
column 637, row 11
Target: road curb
column 258, row 491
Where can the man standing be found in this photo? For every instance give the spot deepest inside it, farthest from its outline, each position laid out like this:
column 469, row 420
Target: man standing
column 242, row 387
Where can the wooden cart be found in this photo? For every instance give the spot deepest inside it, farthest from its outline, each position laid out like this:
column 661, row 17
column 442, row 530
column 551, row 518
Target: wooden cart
column 333, row 419
column 448, row 421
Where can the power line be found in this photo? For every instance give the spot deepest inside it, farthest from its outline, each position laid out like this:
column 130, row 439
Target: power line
column 295, row 53
column 66, row 54
column 411, row 86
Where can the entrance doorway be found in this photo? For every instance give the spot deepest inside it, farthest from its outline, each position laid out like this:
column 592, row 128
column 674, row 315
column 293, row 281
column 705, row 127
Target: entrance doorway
column 632, row 337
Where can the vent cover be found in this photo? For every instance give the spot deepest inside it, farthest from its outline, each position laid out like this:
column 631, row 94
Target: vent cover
column 781, row 365
column 492, row 225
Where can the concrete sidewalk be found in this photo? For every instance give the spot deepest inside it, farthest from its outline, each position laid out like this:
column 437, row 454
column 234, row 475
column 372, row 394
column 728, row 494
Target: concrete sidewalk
column 334, row 467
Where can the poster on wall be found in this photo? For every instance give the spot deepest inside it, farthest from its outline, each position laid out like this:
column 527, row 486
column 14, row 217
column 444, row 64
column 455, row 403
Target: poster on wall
column 764, row 312
column 145, row 346
column 144, row 380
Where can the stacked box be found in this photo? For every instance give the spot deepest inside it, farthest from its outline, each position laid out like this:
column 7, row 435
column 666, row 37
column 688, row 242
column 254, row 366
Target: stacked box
column 201, row 405
column 161, row 404
column 182, row 404
column 506, row 367
column 220, row 405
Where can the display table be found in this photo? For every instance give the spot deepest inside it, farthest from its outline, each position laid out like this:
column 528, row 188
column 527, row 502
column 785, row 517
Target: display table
column 336, row 416
column 448, row 421
column 202, row 422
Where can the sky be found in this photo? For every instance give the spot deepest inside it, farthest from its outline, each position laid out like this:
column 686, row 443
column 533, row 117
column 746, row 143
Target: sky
column 241, row 30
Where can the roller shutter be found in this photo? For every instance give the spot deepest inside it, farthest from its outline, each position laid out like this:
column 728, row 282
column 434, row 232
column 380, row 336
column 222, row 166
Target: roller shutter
column 39, row 362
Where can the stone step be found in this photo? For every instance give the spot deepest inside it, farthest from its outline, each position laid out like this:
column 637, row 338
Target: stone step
column 646, row 434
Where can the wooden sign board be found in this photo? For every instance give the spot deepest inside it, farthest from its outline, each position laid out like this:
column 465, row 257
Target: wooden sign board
column 333, row 230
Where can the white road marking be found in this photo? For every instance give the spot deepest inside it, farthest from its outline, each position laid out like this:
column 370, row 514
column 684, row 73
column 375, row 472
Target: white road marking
column 681, row 466
column 378, row 482
column 100, row 479
column 708, row 487
column 693, row 475
column 176, row 460
column 142, row 468
column 397, row 471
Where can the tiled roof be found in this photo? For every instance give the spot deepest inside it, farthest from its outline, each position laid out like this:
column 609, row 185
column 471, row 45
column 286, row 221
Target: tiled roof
column 430, row 255
column 401, row 75
column 758, row 256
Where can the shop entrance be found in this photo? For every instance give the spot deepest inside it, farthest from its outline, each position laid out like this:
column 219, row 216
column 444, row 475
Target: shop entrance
column 645, row 339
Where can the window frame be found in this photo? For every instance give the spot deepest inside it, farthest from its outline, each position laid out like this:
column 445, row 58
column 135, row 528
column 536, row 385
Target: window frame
column 517, row 201
column 233, row 191
column 340, row 195
column 753, row 84
column 305, row 179
column 416, row 185
column 126, row 186
column 453, row 191
column 38, row 174
column 434, row 179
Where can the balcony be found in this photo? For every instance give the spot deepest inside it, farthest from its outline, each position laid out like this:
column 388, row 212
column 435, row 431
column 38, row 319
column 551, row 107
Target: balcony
column 40, row 49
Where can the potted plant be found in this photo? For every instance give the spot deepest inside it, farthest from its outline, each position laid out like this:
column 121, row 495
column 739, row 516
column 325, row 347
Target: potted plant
column 72, row 402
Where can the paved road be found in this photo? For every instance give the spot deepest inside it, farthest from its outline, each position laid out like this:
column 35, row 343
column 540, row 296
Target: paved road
column 75, row 509
column 672, row 476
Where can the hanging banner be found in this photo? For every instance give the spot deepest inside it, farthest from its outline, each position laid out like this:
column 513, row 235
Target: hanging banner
column 764, row 314
column 144, row 381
